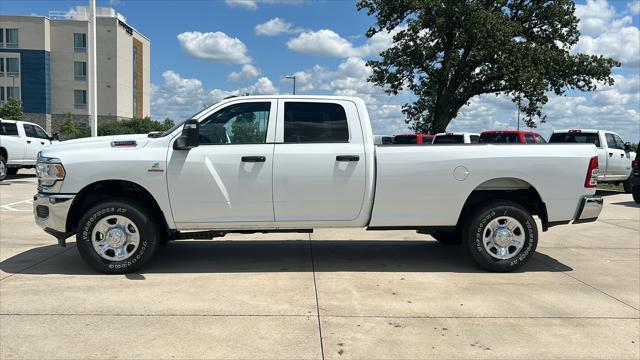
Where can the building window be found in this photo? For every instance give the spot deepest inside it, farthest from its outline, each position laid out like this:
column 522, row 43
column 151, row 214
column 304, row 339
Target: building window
column 1, row 67
column 13, row 92
column 11, row 38
column 80, row 99
column 79, row 42
column 1, row 37
column 80, row 70
column 13, row 67
column 1, row 94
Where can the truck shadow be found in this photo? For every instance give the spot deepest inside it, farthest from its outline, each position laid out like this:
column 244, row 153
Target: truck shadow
column 278, row 256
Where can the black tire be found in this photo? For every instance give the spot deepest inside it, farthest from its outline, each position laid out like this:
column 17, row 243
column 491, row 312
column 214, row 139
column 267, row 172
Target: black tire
column 447, row 237
column 476, row 228
column 636, row 194
column 3, row 167
column 12, row 171
column 628, row 188
column 137, row 214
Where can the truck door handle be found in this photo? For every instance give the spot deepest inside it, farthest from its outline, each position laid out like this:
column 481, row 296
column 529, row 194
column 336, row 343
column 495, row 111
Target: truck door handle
column 621, row 155
column 347, row 158
column 254, row 159
column 610, row 154
column 41, row 142
column 28, row 141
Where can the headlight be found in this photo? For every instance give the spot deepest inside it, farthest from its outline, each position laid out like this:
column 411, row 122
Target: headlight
column 49, row 170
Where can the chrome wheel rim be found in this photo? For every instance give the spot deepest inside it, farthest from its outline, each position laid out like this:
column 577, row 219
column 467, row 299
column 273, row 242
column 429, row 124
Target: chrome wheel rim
column 115, row 238
column 3, row 169
column 503, row 237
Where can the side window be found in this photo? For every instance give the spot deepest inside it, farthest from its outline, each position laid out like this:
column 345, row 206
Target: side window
column 307, row 122
column 29, row 130
column 611, row 141
column 9, row 129
column 40, row 133
column 619, row 142
column 528, row 138
column 540, row 140
column 244, row 123
column 474, row 139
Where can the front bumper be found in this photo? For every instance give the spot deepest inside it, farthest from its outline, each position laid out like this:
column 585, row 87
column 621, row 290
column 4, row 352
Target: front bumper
column 589, row 209
column 51, row 211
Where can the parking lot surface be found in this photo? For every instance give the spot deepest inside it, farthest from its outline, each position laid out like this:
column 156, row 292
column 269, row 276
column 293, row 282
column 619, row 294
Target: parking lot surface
column 334, row 294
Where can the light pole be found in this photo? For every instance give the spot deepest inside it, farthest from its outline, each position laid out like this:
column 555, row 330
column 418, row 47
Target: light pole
column 518, row 114
column 294, row 82
column 93, row 72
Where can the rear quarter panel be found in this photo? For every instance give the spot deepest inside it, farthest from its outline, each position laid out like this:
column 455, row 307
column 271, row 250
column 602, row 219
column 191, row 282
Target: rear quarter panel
column 416, row 185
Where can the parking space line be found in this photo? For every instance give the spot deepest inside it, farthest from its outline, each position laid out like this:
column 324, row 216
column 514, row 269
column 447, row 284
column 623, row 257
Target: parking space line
column 9, row 207
column 315, row 287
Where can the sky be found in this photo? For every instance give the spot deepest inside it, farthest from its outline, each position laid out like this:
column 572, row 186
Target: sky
column 204, row 50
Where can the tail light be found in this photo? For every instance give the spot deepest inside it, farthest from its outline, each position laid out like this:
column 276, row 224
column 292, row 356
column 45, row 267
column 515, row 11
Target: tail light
column 592, row 173
column 635, row 164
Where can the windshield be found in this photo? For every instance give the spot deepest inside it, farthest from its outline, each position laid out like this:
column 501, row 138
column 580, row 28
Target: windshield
column 449, row 139
column 498, row 138
column 406, row 139
column 576, row 138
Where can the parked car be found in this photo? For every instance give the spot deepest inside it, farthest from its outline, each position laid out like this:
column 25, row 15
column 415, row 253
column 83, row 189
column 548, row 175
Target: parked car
column 511, row 137
column 614, row 155
column 382, row 139
column 456, row 138
column 240, row 166
column 20, row 142
column 423, row 139
column 635, row 178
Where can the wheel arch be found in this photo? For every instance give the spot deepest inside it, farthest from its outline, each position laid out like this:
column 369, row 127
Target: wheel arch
column 512, row 189
column 109, row 189
column 3, row 152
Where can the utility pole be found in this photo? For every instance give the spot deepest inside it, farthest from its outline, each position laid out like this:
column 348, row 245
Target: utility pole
column 518, row 113
column 93, row 71
column 294, row 82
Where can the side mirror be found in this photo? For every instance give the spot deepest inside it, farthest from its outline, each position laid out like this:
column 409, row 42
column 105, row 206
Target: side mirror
column 627, row 147
column 190, row 136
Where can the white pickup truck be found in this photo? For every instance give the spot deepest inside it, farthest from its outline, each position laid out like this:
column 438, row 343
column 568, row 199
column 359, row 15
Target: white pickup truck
column 614, row 155
column 20, row 142
column 296, row 163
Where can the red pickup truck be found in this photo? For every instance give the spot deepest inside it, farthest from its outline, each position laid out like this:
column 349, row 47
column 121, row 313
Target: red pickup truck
column 423, row 139
column 511, row 137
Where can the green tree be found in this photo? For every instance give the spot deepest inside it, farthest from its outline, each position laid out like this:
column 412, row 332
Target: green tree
column 448, row 51
column 134, row 126
column 11, row 110
column 246, row 130
column 69, row 129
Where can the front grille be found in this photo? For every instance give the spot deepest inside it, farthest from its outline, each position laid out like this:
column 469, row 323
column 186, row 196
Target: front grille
column 42, row 211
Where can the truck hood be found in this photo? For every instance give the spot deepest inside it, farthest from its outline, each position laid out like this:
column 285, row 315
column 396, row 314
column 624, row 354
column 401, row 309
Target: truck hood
column 115, row 143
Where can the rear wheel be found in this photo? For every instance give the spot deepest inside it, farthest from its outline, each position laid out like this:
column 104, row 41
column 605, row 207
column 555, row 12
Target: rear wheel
column 117, row 237
column 636, row 194
column 502, row 236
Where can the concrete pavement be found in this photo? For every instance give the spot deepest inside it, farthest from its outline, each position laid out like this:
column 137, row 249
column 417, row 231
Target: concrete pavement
column 336, row 294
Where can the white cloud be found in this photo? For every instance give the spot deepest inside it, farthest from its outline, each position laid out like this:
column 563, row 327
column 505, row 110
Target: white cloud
column 246, row 4
column 276, row 26
column 606, row 32
column 327, row 42
column 178, row 97
column 247, row 71
column 634, row 7
column 216, row 47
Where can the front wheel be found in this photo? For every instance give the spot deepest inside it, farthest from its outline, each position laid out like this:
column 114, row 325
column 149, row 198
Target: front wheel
column 3, row 167
column 628, row 188
column 636, row 194
column 502, row 236
column 117, row 237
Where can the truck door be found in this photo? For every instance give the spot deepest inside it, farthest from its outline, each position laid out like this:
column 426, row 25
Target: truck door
column 615, row 159
column 319, row 161
column 36, row 139
column 228, row 178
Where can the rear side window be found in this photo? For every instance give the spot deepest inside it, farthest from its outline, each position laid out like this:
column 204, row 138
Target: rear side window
column 9, row 129
column 474, row 138
column 307, row 122
column 449, row 139
column 410, row 139
column 575, row 138
column 495, row 138
column 528, row 138
column 540, row 140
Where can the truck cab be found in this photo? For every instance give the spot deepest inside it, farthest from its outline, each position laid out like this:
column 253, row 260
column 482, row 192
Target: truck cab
column 511, row 137
column 408, row 139
column 456, row 138
column 614, row 155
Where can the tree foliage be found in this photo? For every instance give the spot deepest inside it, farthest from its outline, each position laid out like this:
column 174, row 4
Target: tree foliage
column 73, row 130
column 246, row 130
column 11, row 110
column 448, row 51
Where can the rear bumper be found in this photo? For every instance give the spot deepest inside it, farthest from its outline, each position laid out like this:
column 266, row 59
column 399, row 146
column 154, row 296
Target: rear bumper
column 589, row 209
column 50, row 212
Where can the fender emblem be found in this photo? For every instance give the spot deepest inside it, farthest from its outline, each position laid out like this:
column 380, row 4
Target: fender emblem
column 155, row 168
